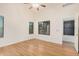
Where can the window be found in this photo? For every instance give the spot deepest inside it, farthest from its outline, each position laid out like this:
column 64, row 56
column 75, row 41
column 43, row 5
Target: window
column 1, row 26
column 69, row 27
column 31, row 24
column 44, row 27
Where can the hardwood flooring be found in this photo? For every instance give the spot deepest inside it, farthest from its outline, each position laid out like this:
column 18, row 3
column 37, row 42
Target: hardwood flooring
column 36, row 47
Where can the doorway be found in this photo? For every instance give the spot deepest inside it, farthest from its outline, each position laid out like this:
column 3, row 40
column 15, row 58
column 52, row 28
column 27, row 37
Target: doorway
column 68, row 34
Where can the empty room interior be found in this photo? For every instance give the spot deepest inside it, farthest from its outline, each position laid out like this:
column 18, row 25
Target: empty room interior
column 39, row 29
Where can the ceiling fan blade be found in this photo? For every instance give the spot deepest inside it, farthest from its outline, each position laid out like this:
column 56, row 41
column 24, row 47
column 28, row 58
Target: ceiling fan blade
column 26, row 3
column 30, row 7
column 67, row 4
column 37, row 9
column 43, row 5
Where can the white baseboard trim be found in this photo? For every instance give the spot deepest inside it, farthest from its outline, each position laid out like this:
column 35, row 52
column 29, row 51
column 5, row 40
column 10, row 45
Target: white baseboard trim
column 7, row 44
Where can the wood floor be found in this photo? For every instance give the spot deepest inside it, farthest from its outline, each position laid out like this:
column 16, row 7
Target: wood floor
column 37, row 48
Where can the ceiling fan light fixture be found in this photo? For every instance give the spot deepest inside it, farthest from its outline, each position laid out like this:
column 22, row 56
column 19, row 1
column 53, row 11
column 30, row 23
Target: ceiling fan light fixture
column 35, row 5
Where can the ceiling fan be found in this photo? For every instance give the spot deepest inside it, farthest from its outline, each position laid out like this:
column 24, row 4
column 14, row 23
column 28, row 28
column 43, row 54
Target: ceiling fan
column 36, row 5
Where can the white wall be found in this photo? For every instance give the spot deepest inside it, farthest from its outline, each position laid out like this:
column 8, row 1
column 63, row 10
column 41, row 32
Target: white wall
column 55, row 25
column 56, row 15
column 72, row 11
column 16, row 19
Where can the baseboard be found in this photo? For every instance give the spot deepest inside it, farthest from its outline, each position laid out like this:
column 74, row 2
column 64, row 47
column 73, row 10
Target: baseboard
column 49, row 41
column 11, row 43
column 68, row 42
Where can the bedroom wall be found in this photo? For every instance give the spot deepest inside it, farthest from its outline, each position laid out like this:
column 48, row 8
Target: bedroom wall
column 50, row 13
column 57, row 15
column 16, row 18
column 72, row 12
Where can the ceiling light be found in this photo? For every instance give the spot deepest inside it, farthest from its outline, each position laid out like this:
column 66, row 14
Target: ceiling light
column 35, row 5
